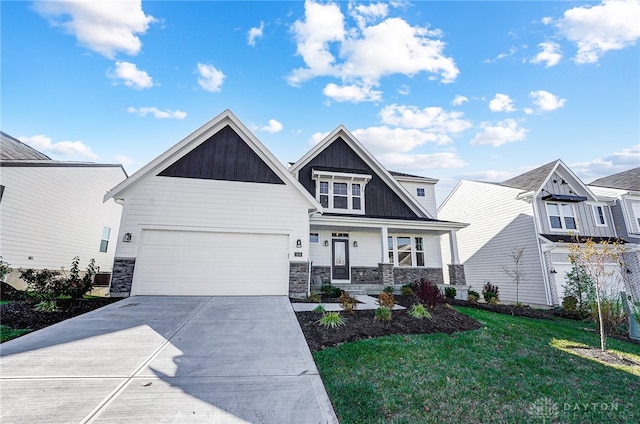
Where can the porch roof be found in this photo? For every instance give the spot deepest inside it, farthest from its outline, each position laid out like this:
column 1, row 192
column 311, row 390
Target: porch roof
column 367, row 223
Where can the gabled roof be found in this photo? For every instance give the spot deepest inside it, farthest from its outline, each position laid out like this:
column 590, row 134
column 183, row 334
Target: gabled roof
column 193, row 140
column 531, row 180
column 342, row 132
column 534, row 180
column 626, row 180
column 13, row 149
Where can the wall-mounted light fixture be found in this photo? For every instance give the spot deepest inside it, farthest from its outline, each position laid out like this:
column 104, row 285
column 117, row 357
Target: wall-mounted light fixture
column 126, row 238
column 298, row 243
column 326, row 243
column 355, row 244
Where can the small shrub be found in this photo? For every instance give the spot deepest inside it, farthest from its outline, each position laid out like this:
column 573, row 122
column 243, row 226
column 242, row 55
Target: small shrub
column 382, row 314
column 328, row 290
column 428, row 293
column 76, row 287
column 47, row 306
column 331, row 320
column 570, row 303
column 418, row 311
column 490, row 293
column 5, row 269
column 406, row 290
column 450, row 292
column 347, row 302
column 336, row 292
column 519, row 305
column 44, row 283
column 473, row 296
column 613, row 315
column 314, row 297
column 388, row 289
column 319, row 309
column 386, row 300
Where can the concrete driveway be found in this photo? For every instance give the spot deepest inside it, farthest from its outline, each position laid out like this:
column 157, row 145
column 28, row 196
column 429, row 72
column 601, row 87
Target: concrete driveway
column 171, row 359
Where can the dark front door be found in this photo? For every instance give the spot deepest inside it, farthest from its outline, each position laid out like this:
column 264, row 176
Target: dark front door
column 340, row 259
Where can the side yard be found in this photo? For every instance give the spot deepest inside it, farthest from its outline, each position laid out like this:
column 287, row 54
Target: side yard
column 512, row 369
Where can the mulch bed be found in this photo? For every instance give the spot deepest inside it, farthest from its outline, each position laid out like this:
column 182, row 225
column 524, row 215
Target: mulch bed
column 21, row 314
column 361, row 325
column 523, row 311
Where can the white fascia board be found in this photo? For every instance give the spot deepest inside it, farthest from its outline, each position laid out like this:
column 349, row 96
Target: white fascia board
column 442, row 227
column 194, row 139
column 425, row 180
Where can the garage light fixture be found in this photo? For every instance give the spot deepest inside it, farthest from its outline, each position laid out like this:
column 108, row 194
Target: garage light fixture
column 126, row 238
column 355, row 244
column 298, row 243
column 326, row 243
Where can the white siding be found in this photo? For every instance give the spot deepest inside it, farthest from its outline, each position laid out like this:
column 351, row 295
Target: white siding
column 54, row 213
column 498, row 223
column 429, row 199
column 213, row 205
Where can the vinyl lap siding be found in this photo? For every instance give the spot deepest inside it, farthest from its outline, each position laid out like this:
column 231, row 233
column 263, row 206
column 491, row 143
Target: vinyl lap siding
column 498, row 222
column 56, row 213
column 181, row 203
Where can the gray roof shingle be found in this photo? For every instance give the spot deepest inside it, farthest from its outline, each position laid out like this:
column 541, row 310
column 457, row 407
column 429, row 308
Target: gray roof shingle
column 531, row 180
column 626, row 180
column 13, row 149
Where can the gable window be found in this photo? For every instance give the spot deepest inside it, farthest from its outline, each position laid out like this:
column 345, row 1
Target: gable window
column 341, row 192
column 406, row 251
column 104, row 243
column 598, row 214
column 420, row 192
column 561, row 216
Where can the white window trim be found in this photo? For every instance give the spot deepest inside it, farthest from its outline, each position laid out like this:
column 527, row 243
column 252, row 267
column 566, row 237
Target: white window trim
column 414, row 260
column 424, row 192
column 341, row 177
column 562, row 218
column 635, row 209
column 596, row 215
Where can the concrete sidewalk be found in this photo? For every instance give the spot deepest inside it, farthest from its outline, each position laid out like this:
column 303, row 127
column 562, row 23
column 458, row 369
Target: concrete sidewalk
column 366, row 302
column 166, row 360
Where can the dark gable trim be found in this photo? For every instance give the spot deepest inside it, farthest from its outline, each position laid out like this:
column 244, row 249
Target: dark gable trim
column 224, row 156
column 380, row 199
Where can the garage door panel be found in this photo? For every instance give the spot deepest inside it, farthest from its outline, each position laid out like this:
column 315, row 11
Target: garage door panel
column 211, row 263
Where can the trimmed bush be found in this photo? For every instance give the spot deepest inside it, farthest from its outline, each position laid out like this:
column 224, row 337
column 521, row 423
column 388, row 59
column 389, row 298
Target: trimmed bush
column 428, row 293
column 450, row 292
column 407, row 290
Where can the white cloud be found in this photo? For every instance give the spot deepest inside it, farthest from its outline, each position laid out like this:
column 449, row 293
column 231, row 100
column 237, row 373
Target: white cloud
column 360, row 56
column 157, row 113
column 458, row 100
column 547, row 20
column 501, row 56
column 389, row 140
column 608, row 165
column 404, row 90
column 351, row 93
column 62, row 149
column 545, row 101
column 501, row 103
column 255, row 33
column 429, row 118
column 611, row 25
column 550, row 54
column 130, row 75
column 106, row 27
column 503, row 132
column 422, row 161
column 210, row 78
column 273, row 127
column 124, row 160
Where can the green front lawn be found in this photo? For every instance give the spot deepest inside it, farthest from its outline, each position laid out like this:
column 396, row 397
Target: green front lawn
column 512, row 370
column 7, row 333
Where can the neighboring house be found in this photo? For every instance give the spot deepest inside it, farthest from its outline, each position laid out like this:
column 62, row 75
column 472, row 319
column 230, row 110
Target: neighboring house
column 52, row 211
column 622, row 190
column 218, row 214
column 542, row 211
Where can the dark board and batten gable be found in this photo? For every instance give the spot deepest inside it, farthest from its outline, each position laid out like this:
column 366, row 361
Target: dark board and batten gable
column 224, row 156
column 380, row 200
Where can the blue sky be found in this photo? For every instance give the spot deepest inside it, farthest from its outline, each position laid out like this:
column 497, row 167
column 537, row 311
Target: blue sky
column 450, row 90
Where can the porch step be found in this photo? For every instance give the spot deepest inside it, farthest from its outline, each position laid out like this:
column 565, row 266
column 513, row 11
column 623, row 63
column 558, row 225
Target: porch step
column 356, row 291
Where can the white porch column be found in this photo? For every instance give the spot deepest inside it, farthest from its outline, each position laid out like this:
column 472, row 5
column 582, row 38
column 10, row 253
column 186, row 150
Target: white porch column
column 453, row 247
column 384, row 234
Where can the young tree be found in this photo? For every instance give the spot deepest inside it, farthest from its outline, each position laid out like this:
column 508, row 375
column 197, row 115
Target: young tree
column 516, row 272
column 593, row 257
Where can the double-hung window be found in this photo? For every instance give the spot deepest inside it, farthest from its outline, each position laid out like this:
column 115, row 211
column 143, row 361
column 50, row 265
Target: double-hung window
column 561, row 216
column 341, row 192
column 104, row 242
column 406, row 251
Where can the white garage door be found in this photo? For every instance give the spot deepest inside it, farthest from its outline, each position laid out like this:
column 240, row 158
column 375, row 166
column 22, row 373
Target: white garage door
column 211, row 263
